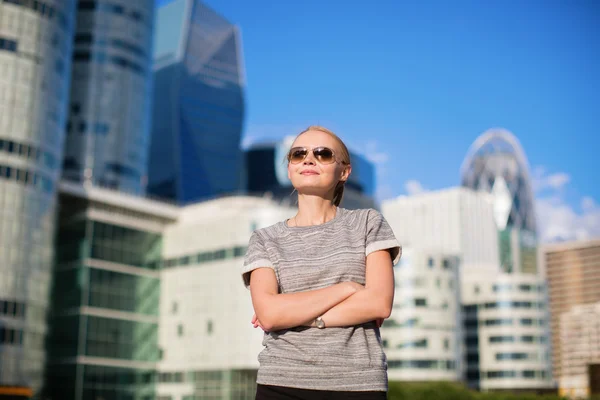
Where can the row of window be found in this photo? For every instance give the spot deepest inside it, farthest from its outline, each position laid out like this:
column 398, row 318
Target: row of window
column 88, row 38
column 527, row 374
column 28, row 178
column 522, row 288
column 522, row 339
column 102, row 58
column 44, row 9
column 423, row 364
column 514, row 304
column 510, row 321
column 10, row 336
column 205, row 257
column 8, row 45
column 99, row 128
column 110, row 8
column 446, row 263
column 12, row 308
column 28, row 151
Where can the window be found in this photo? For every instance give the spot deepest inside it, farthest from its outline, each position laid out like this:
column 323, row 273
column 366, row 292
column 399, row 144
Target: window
column 446, row 263
column 446, row 344
column 476, row 289
column 209, row 327
column 502, row 339
column 180, row 330
column 430, row 263
column 174, row 308
column 421, row 302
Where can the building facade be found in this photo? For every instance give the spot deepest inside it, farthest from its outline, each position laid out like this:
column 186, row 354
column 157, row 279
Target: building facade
column 423, row 336
column 572, row 270
column 108, row 129
column 35, row 66
column 209, row 348
column 266, row 170
column 460, row 222
column 198, row 105
column 103, row 341
column 580, row 343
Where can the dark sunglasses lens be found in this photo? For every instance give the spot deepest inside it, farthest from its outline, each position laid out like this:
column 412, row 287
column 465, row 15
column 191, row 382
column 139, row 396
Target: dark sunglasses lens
column 324, row 155
column 297, row 155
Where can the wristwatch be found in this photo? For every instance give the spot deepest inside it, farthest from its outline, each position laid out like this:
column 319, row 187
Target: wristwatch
column 320, row 323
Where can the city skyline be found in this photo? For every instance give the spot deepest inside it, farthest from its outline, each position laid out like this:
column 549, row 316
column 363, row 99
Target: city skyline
column 431, row 81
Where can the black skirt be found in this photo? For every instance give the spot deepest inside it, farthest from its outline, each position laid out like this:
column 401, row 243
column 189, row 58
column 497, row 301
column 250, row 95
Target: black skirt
column 270, row 392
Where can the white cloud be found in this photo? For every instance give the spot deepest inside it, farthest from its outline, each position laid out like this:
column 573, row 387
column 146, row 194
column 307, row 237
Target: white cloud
column 414, row 187
column 557, row 219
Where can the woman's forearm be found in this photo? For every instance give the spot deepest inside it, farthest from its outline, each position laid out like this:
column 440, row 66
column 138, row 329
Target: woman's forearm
column 363, row 306
column 288, row 310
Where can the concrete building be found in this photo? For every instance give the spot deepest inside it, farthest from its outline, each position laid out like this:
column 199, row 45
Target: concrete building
column 460, row 222
column 208, row 345
column 423, row 336
column 573, row 274
column 580, row 344
column 35, row 69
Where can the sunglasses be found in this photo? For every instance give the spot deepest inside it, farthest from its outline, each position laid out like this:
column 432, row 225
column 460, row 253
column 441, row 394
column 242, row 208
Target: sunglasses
column 323, row 155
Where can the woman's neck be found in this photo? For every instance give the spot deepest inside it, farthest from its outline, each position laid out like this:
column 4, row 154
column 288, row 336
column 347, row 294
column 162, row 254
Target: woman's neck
column 314, row 210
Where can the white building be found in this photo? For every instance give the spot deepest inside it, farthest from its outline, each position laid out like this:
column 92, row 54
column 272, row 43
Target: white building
column 460, row 221
column 580, row 341
column 209, row 347
column 422, row 337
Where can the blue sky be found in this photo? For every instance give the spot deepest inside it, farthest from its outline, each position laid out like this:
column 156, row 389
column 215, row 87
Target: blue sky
column 412, row 84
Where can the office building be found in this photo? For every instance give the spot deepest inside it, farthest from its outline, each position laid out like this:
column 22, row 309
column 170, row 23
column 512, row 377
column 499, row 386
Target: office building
column 35, row 66
column 266, row 169
column 460, row 222
column 209, row 347
column 105, row 302
column 573, row 271
column 423, row 336
column 107, row 134
column 198, row 106
column 580, row 344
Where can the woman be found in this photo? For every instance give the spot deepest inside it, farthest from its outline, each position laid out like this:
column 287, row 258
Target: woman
column 321, row 284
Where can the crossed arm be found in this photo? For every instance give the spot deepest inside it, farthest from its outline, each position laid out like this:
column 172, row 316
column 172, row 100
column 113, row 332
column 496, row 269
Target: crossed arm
column 342, row 304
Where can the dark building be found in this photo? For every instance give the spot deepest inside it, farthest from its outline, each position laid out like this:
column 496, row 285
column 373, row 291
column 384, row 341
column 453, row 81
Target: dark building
column 109, row 123
column 266, row 170
column 198, row 104
column 35, row 68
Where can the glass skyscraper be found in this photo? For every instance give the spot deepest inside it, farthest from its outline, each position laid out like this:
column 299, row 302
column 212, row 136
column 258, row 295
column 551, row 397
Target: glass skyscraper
column 198, row 106
column 109, row 121
column 497, row 164
column 35, row 68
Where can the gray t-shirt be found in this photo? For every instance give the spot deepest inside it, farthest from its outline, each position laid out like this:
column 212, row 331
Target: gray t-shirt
column 313, row 257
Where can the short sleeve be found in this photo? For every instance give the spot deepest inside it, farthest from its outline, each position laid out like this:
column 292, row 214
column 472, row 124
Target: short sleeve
column 381, row 237
column 256, row 257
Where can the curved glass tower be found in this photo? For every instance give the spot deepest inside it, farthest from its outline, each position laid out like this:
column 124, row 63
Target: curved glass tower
column 109, row 122
column 198, row 107
column 497, row 164
column 35, row 69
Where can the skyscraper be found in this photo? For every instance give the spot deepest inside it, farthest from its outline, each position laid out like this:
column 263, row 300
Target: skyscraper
column 35, row 68
column 266, row 171
column 198, row 104
column 109, row 121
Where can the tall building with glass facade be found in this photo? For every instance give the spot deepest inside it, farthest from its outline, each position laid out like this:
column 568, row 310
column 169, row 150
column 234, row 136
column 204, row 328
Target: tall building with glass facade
column 109, row 122
column 266, row 172
column 35, row 68
column 103, row 341
column 198, row 106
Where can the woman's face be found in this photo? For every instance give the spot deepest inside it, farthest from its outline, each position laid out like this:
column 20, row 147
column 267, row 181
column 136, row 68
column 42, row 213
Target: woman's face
column 311, row 176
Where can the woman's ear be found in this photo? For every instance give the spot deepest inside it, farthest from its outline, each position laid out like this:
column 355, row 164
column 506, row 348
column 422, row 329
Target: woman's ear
column 346, row 173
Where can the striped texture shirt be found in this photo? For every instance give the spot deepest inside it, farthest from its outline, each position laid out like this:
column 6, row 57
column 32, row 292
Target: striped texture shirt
column 313, row 257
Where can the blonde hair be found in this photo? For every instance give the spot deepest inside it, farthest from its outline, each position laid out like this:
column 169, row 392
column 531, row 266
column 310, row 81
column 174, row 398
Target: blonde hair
column 343, row 156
